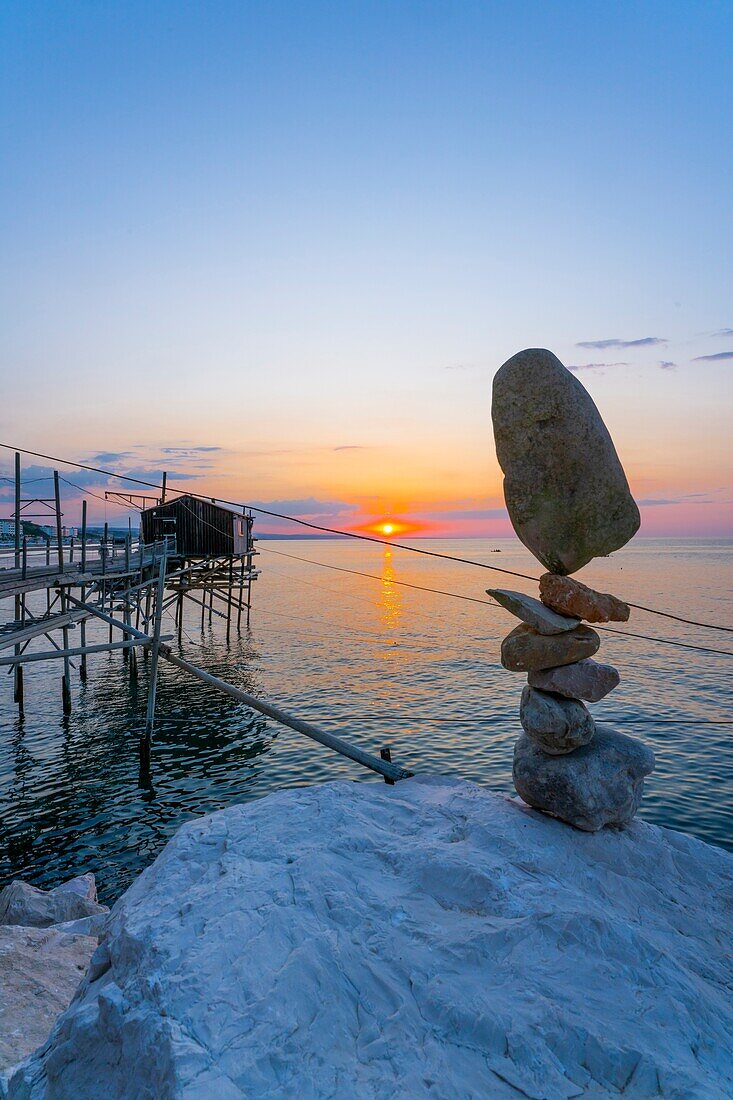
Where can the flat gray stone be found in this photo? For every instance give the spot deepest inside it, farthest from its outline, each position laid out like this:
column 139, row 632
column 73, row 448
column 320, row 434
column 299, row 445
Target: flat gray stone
column 23, row 904
column 533, row 612
column 564, row 486
column 588, row 679
column 524, row 650
column 557, row 725
column 599, row 784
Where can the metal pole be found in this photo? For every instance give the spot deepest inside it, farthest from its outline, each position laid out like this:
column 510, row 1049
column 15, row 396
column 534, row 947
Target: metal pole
column 83, row 627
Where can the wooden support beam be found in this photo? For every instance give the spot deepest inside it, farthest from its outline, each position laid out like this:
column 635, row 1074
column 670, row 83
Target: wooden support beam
column 76, row 651
column 155, row 654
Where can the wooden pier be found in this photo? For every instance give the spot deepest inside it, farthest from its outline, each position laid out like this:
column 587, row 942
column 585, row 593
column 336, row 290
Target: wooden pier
column 189, row 549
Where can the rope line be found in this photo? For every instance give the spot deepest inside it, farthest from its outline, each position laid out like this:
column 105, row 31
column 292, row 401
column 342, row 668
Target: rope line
column 367, row 538
column 473, row 599
column 374, row 577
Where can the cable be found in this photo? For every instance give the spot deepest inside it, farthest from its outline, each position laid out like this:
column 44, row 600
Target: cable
column 89, row 493
column 679, row 618
column 374, row 577
column 365, row 538
column 473, row 599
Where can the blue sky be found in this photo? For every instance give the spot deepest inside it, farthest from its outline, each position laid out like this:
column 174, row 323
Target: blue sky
column 308, row 234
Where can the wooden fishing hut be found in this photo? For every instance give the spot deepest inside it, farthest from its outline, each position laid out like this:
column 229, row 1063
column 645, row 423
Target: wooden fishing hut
column 203, row 529
column 217, row 540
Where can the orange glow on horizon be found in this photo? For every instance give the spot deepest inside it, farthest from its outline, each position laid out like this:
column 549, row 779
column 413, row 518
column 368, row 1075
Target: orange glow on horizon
column 389, row 527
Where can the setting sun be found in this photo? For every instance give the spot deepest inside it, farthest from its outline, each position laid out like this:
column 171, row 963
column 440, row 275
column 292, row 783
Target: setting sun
column 387, row 528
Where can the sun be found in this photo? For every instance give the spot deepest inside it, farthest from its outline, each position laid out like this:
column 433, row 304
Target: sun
column 387, row 528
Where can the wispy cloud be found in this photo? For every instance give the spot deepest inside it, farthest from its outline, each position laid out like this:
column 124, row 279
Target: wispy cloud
column 186, row 451
column 717, row 358
column 594, row 366
column 614, row 342
column 308, row 506
column 722, row 332
column 108, row 458
column 667, row 364
column 686, row 498
column 351, row 447
column 468, row 513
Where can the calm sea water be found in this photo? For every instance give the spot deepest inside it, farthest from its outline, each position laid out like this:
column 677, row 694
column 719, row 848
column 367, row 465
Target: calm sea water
column 376, row 662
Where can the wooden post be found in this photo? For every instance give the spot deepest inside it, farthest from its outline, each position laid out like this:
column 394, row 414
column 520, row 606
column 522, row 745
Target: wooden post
column 155, row 654
column 241, row 594
column 386, row 754
column 229, row 597
column 59, row 536
column 83, row 628
column 18, row 692
column 66, row 678
column 162, row 492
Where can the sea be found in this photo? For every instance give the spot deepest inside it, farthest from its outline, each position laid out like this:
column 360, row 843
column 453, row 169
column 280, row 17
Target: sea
column 336, row 637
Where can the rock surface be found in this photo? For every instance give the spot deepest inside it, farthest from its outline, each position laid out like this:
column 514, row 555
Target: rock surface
column 21, row 903
column 569, row 597
column 524, row 650
column 533, row 612
column 565, row 489
column 428, row 939
column 40, row 970
column 557, row 725
column 588, row 679
column 597, row 785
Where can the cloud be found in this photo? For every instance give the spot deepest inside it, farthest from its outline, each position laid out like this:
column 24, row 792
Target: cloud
column 687, row 498
column 351, row 447
column 717, row 358
column 107, row 458
column 594, row 366
column 667, row 364
column 644, row 342
column 187, row 451
column 469, row 513
column 722, row 332
column 308, row 506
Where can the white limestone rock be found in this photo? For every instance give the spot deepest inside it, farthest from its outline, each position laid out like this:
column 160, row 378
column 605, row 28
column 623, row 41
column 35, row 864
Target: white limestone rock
column 427, row 939
column 23, row 904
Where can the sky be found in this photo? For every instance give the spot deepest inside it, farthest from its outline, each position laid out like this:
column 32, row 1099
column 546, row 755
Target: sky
column 280, row 250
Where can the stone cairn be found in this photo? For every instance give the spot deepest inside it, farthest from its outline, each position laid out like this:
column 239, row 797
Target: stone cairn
column 569, row 501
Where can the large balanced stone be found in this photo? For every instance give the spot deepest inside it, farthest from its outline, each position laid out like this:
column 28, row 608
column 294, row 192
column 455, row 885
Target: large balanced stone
column 570, row 597
column 557, row 725
column 589, row 680
column 565, row 489
column 525, row 650
column 532, row 612
column 599, row 784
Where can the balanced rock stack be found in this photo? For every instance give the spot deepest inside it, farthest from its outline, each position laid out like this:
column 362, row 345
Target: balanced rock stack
column 569, row 501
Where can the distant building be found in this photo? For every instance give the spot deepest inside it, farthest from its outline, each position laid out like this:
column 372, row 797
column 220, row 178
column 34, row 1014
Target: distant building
column 7, row 528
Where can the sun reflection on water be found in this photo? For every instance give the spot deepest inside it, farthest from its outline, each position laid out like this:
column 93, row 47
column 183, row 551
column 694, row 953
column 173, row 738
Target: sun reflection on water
column 390, row 606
